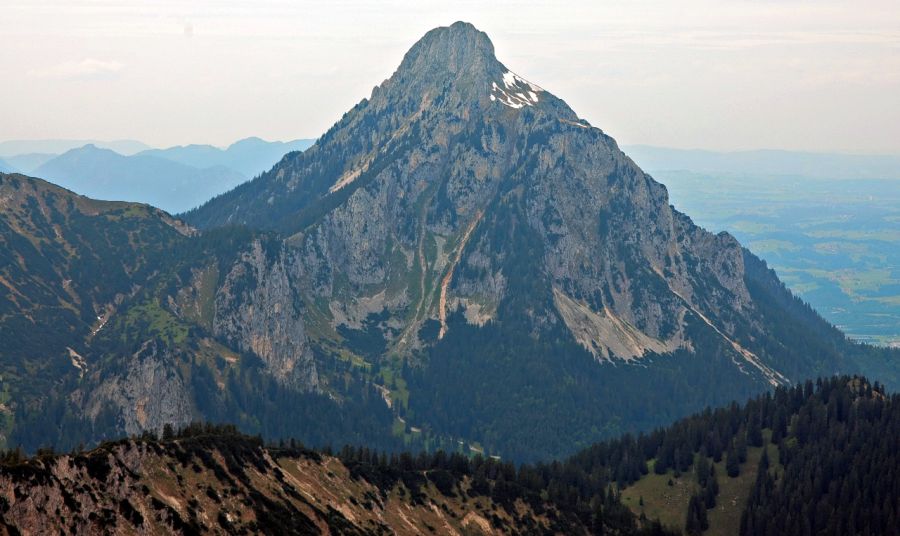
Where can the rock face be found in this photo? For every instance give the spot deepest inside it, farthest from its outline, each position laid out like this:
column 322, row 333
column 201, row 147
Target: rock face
column 257, row 310
column 148, row 394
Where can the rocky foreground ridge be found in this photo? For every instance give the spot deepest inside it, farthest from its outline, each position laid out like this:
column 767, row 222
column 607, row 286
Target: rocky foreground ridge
column 212, row 480
column 770, row 466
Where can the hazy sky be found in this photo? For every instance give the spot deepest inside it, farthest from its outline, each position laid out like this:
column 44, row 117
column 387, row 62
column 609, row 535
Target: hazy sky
column 816, row 75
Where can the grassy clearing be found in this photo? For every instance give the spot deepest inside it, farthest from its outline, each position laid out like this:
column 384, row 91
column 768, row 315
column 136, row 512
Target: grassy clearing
column 753, row 227
column 666, row 503
column 208, row 283
column 669, row 504
column 761, row 247
column 853, row 249
column 391, row 379
column 7, row 416
column 883, row 235
column 725, row 518
column 157, row 320
column 399, row 427
column 854, row 283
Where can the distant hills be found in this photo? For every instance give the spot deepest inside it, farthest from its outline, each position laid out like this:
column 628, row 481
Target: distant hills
column 105, row 174
column 28, row 162
column 250, row 156
column 767, row 162
column 22, row 147
column 175, row 179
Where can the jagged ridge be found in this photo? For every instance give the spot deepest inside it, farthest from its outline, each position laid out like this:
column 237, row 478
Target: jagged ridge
column 213, row 480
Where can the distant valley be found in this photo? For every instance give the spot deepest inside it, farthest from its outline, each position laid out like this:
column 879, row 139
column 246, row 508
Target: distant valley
column 828, row 224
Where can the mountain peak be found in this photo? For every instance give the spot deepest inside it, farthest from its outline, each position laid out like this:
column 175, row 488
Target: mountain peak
column 458, row 48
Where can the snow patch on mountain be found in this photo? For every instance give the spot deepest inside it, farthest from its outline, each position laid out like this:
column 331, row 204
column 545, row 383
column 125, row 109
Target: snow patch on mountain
column 516, row 91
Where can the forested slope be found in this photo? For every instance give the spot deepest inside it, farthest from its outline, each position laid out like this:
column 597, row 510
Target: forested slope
column 818, row 458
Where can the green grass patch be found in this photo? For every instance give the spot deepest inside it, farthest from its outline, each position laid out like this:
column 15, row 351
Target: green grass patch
column 400, row 393
column 669, row 504
column 129, row 211
column 208, row 283
column 855, row 283
column 884, row 235
column 150, row 318
column 753, row 227
column 725, row 518
column 854, row 250
column 7, row 416
column 761, row 247
column 661, row 501
column 398, row 429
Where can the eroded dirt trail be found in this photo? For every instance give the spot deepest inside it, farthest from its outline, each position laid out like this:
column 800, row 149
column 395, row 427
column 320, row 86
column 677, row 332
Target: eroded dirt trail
column 445, row 283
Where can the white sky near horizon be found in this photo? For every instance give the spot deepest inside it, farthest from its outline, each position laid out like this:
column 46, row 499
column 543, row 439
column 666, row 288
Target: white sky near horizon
column 819, row 75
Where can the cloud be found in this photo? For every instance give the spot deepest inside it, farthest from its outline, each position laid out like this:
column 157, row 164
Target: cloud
column 86, row 69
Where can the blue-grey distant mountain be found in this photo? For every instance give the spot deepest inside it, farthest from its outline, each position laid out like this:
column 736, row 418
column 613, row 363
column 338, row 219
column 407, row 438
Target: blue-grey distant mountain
column 767, row 162
column 5, row 167
column 21, row 147
column 250, row 156
column 27, row 163
column 105, row 174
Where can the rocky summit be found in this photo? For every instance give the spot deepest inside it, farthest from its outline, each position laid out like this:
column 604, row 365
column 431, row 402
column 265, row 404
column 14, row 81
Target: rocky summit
column 460, row 261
